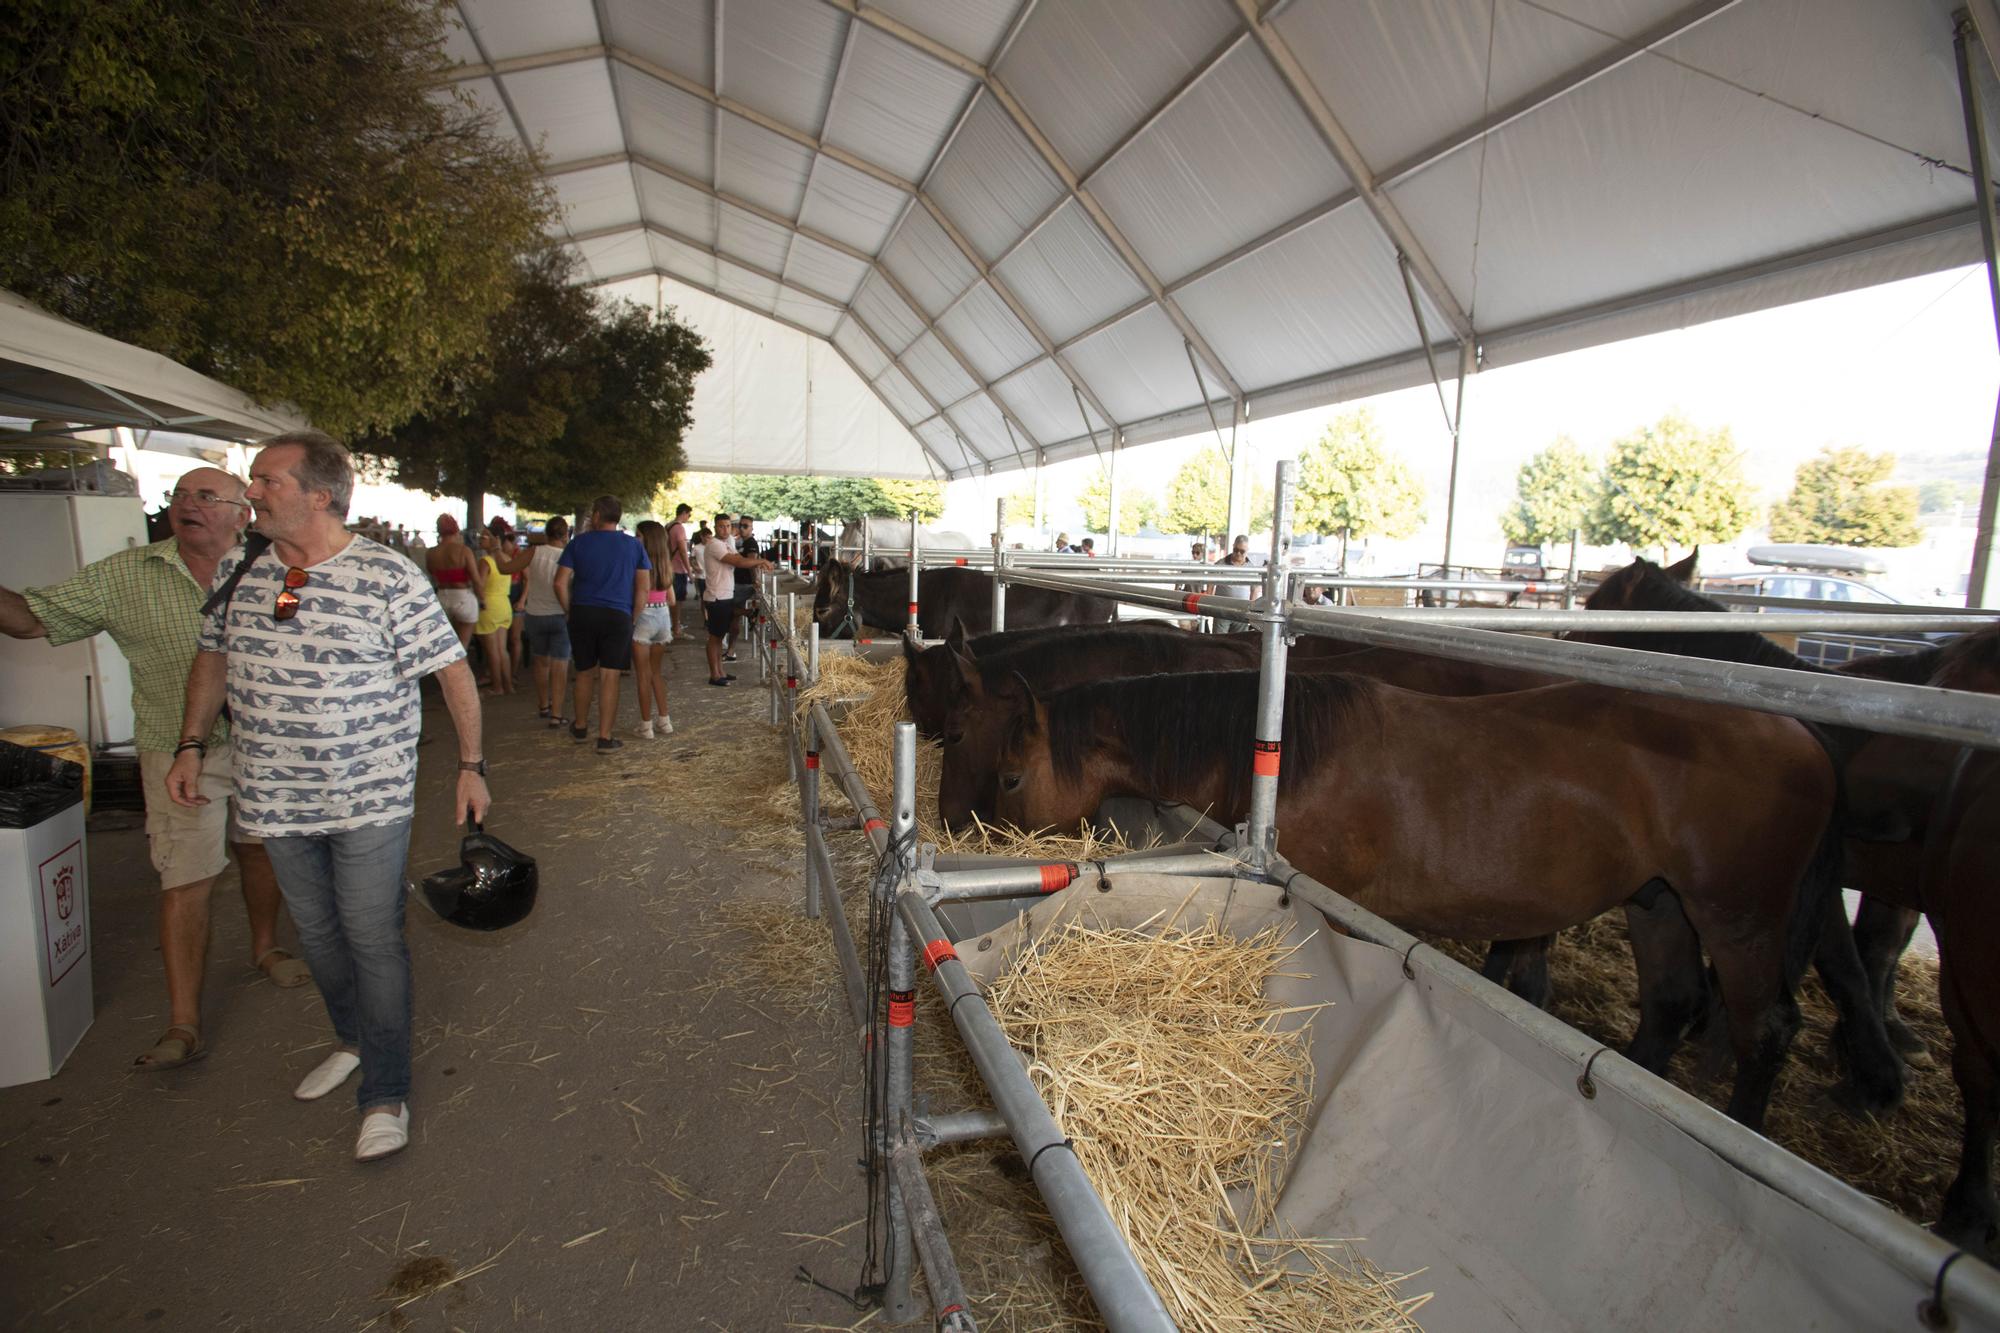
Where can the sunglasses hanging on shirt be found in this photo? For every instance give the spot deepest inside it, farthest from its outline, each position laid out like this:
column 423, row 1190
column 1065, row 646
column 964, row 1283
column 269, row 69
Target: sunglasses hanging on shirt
column 287, row 604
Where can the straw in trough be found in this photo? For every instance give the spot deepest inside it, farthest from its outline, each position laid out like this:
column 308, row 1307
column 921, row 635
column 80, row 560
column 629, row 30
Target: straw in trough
column 1170, row 1073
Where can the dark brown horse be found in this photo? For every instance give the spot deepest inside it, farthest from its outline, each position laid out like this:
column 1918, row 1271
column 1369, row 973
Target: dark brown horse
column 1706, row 818
column 931, row 675
column 844, row 601
column 1957, row 891
column 982, row 690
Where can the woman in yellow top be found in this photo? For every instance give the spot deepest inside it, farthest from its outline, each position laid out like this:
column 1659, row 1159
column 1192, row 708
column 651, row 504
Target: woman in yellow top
column 497, row 563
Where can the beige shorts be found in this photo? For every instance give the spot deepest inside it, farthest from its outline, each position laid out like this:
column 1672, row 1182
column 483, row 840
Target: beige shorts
column 461, row 606
column 188, row 842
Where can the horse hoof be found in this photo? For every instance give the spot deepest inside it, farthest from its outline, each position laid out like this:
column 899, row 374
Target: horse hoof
column 1868, row 1101
column 1916, row 1052
column 1920, row 1058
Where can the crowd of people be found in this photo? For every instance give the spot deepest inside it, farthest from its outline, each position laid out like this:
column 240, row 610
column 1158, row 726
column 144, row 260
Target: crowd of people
column 276, row 658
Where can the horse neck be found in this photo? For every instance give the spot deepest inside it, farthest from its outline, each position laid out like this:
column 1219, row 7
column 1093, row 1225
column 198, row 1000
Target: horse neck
column 1111, row 767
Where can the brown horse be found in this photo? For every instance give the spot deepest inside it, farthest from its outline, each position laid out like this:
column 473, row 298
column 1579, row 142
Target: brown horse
column 982, row 692
column 1705, row 819
column 931, row 675
column 844, row 601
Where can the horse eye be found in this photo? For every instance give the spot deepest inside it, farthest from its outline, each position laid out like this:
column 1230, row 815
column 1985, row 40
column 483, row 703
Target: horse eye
column 1010, row 782
column 953, row 737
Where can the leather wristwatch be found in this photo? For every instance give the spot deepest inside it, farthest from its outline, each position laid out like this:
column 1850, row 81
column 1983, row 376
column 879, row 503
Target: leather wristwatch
column 472, row 766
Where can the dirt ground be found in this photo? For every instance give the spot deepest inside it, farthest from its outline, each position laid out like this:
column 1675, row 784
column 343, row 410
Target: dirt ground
column 608, row 1132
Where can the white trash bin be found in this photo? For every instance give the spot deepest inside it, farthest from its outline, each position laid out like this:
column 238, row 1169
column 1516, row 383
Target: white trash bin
column 45, row 988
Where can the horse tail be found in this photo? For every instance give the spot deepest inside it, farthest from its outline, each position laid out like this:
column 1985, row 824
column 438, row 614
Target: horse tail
column 1819, row 889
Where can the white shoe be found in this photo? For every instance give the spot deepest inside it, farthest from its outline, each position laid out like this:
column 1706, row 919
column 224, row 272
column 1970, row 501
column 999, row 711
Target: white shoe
column 664, row 726
column 644, row 731
column 332, row 1072
column 382, row 1134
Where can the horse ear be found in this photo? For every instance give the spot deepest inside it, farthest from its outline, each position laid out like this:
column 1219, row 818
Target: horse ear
column 1026, row 705
column 956, row 636
column 968, row 670
column 1682, row 571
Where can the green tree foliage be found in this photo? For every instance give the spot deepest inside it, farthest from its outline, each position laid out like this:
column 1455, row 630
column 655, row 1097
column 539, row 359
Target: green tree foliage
column 1671, row 484
column 829, row 498
column 1842, row 497
column 702, row 491
column 1556, row 491
column 581, row 399
column 1942, row 496
column 280, row 193
column 1197, row 499
column 1135, row 507
column 1350, row 484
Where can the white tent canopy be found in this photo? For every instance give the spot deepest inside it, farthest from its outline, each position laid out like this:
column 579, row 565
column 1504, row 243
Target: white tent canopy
column 50, row 367
column 1027, row 224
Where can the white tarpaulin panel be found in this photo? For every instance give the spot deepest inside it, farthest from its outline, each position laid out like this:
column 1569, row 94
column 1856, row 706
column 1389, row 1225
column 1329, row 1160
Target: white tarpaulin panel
column 1140, row 176
column 52, row 368
column 778, row 400
column 1453, row 1142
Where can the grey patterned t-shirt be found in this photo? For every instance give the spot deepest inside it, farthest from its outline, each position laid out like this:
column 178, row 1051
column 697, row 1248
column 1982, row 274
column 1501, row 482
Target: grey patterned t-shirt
column 325, row 705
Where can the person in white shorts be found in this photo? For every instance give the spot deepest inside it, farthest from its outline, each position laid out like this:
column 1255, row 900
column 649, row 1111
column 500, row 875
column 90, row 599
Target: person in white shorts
column 652, row 631
column 148, row 598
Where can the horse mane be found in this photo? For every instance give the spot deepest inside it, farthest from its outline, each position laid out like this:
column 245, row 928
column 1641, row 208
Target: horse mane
column 1915, row 668
column 1653, row 589
column 1178, row 727
column 1156, row 651
column 1975, row 655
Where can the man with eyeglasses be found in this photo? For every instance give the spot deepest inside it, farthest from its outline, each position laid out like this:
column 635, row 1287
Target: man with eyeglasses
column 319, row 639
column 149, row 600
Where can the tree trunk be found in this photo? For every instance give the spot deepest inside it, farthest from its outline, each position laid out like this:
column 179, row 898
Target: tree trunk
column 475, row 497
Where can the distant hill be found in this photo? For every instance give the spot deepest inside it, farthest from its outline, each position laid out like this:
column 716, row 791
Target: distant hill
column 1916, row 469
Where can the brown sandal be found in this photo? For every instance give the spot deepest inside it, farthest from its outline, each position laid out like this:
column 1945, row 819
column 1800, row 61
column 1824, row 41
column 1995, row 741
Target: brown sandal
column 171, row 1052
column 288, row 972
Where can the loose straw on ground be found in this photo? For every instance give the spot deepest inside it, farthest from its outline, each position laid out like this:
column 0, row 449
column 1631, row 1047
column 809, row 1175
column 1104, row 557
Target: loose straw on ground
column 1168, row 1070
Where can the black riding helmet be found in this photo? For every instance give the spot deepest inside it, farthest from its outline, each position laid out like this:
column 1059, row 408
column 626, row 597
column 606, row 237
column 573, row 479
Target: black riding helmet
column 491, row 887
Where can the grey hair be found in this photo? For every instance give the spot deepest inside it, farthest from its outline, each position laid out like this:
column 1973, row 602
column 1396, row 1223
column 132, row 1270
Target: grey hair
column 324, row 466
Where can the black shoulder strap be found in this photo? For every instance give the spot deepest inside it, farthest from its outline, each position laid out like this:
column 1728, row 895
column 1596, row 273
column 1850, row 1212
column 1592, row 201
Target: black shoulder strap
column 254, row 545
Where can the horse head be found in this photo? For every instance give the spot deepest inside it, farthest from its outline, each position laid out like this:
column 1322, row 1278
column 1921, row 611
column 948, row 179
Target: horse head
column 974, row 730
column 1030, row 793
column 1971, row 662
column 831, row 592
column 934, row 679
column 1641, row 585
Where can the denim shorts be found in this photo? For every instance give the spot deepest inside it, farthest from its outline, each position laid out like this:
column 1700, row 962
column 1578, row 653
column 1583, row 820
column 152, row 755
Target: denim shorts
column 548, row 636
column 654, row 625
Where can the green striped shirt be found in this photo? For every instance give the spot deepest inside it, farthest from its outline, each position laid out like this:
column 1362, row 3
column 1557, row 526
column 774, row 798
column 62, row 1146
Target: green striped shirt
column 146, row 599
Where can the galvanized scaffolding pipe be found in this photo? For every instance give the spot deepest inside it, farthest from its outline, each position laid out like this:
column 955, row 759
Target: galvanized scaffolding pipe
column 1124, row 1298
column 1028, row 881
column 809, row 814
column 843, row 936
column 898, row 1305
column 812, row 653
column 961, row 1127
column 999, row 564
column 916, row 569
column 1905, row 710
column 1266, row 748
column 940, row 1268
column 833, row 753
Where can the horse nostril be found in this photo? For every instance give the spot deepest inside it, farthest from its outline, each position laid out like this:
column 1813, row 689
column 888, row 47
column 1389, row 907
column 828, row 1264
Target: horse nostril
column 1010, row 782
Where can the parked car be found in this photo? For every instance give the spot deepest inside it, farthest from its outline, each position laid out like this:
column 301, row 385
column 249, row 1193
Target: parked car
column 1795, row 583
column 1524, row 562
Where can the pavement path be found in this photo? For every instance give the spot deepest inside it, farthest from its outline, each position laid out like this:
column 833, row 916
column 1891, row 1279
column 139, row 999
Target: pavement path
column 609, row 1132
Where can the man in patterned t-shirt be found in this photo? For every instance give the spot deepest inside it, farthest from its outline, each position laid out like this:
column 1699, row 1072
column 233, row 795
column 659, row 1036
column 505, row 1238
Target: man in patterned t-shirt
column 320, row 648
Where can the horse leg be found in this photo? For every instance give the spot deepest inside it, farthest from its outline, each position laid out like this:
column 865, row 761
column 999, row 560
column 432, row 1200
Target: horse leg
column 1522, row 966
column 1970, row 1217
column 1763, row 1019
column 1873, row 1071
column 1882, row 932
column 1667, row 953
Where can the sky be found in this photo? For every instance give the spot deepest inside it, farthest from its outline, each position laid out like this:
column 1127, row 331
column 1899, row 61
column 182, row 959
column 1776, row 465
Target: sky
column 1905, row 368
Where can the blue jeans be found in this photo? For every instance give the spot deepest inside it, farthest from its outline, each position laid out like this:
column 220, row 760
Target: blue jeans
column 345, row 891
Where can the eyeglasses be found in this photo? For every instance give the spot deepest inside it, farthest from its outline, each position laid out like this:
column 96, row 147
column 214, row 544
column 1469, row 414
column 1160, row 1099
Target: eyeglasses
column 206, row 499
column 287, row 604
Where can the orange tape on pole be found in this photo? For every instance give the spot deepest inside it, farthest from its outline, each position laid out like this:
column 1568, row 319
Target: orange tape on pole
column 1192, row 605
column 1264, row 758
column 873, row 824
column 902, row 1008
column 937, row 951
column 1057, row 877
column 913, row 608
column 812, row 758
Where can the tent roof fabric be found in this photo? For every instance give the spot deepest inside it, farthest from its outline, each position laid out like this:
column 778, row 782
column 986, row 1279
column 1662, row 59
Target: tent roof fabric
column 51, row 367
column 1036, row 227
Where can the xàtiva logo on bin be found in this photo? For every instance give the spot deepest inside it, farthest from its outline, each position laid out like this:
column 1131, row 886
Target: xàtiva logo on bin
column 65, row 928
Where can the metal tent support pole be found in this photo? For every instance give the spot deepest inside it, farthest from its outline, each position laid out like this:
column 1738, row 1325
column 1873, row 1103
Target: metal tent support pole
column 759, row 631
column 1117, row 1283
column 867, row 540
column 1979, row 588
column 1111, row 505
column 914, row 631
column 1468, row 360
column 999, row 564
column 1267, row 748
column 898, row 1305
column 961, row 1127
column 812, row 653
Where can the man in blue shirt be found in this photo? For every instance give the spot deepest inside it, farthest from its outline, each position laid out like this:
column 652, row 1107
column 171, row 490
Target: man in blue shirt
column 601, row 582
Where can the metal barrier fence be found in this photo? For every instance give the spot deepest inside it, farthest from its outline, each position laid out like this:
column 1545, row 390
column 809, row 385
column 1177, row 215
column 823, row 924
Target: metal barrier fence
column 908, row 884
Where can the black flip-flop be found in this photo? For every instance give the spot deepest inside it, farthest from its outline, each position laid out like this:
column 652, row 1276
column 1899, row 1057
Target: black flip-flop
column 721, row 680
